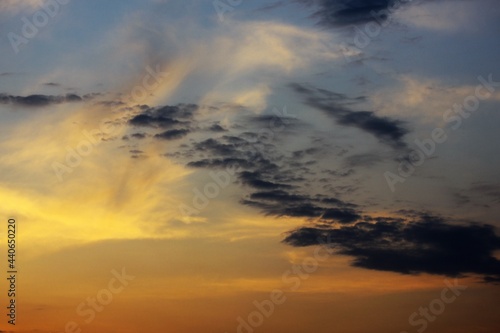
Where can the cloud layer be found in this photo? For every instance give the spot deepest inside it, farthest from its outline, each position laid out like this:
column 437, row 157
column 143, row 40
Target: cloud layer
column 414, row 244
column 34, row 101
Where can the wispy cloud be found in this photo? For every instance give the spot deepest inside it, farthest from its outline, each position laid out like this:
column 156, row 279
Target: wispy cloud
column 338, row 106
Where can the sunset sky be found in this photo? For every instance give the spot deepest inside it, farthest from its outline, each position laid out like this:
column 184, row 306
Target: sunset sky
column 251, row 165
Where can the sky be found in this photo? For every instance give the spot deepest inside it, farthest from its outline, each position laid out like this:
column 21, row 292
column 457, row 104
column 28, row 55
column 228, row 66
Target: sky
column 250, row 166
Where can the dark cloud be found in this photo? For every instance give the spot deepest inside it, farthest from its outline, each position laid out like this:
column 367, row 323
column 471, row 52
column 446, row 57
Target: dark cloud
column 276, row 179
column 234, row 140
column 411, row 245
column 165, row 117
column 72, row 98
column 279, row 196
column 298, row 209
column 385, row 129
column 136, row 151
column 218, row 163
column 138, row 135
column 334, row 201
column 338, row 106
column 492, row 279
column 182, row 111
column 305, row 152
column 217, row 128
column 341, row 215
column 172, row 134
column 38, row 100
column 217, row 148
column 52, row 84
column 365, row 160
column 278, row 182
column 256, row 180
column 91, row 96
column 341, row 13
column 283, row 203
column 250, row 154
column 153, row 121
column 272, row 121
